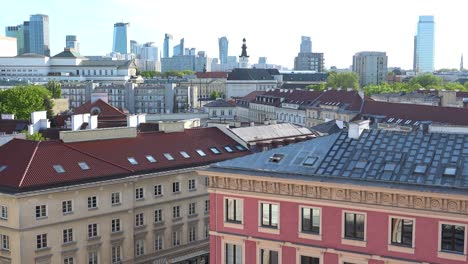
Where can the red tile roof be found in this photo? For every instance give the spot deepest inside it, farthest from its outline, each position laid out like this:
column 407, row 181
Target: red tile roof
column 436, row 114
column 212, row 75
column 350, row 100
column 29, row 164
column 106, row 110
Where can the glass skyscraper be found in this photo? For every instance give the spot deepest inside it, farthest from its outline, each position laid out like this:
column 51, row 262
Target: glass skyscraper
column 424, row 45
column 306, row 45
column 223, row 50
column 168, row 46
column 39, row 35
column 120, row 38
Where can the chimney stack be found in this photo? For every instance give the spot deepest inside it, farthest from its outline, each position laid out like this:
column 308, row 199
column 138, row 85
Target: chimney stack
column 356, row 128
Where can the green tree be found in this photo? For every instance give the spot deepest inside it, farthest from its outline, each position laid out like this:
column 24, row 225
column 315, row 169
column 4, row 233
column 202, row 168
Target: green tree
column 317, row 87
column 454, row 86
column 427, row 81
column 36, row 136
column 343, row 80
column 23, row 100
column 466, row 85
column 214, row 95
column 55, row 89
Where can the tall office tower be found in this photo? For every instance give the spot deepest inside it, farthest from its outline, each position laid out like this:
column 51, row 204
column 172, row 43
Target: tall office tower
column 149, row 51
column 18, row 33
column 371, row 67
column 72, row 42
column 306, row 45
column 262, row 60
column 167, row 48
column 121, row 38
column 424, row 45
column 179, row 49
column 135, row 48
column 39, row 35
column 223, row 49
column 26, row 37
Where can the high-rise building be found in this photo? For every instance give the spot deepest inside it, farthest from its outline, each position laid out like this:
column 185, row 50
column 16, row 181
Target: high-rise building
column 371, row 67
column 167, row 48
column 18, row 33
column 120, row 38
column 26, row 38
column 39, row 35
column 424, row 45
column 306, row 45
column 72, row 42
column 149, row 51
column 223, row 49
column 179, row 49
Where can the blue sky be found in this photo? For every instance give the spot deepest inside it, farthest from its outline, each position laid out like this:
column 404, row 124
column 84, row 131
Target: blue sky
column 339, row 28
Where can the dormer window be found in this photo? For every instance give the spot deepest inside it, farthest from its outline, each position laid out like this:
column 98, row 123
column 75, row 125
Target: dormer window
column 59, row 168
column 276, row 158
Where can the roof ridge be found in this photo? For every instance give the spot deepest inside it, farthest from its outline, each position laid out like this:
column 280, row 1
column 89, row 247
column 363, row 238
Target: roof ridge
column 29, row 164
column 111, row 106
column 98, row 158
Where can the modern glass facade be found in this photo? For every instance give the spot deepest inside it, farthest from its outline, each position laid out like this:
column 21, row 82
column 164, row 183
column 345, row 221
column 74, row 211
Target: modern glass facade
column 39, row 35
column 168, row 46
column 120, row 38
column 223, row 50
column 424, row 43
column 306, row 45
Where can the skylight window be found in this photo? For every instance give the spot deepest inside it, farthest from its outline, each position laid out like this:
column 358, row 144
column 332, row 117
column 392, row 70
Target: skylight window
column 150, row 158
column 420, row 169
column 407, row 122
column 276, row 158
column 309, row 161
column 215, row 150
column 83, row 165
column 59, row 168
column 228, row 149
column 450, row 171
column 184, row 154
column 416, row 123
column 168, row 156
column 132, row 160
column 2, row 168
column 240, row 148
column 361, row 164
column 201, row 152
column 391, row 120
column 399, row 121
column 389, row 167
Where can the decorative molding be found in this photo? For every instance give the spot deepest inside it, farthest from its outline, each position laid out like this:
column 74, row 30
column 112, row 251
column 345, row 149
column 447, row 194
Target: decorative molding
column 382, row 198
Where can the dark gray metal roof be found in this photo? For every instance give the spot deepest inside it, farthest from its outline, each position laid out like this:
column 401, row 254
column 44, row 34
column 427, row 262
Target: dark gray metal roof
column 219, row 102
column 328, row 128
column 240, row 74
column 390, row 159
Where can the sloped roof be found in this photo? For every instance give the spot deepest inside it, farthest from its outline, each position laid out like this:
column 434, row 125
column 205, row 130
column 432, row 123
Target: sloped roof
column 29, row 164
column 378, row 158
column 106, row 110
column 219, row 102
column 211, row 75
column 68, row 53
column 240, row 74
column 346, row 100
column 328, row 128
column 284, row 130
column 9, row 126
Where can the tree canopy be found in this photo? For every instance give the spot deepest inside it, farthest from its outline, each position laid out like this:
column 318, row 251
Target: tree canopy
column 23, row 100
column 215, row 95
column 36, row 136
column 55, row 89
column 343, row 80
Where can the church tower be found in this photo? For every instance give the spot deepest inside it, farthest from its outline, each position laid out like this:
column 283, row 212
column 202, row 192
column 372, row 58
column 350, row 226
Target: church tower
column 244, row 58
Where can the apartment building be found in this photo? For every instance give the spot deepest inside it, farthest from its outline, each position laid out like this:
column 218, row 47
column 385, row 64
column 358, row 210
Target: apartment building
column 132, row 198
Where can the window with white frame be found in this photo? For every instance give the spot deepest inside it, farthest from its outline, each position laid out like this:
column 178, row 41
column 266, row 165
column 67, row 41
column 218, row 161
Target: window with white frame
column 176, row 238
column 192, row 185
column 176, row 211
column 158, row 190
column 192, row 233
column 67, row 207
column 232, row 254
column 68, row 260
column 139, row 193
column 401, row 232
column 268, row 256
column 5, row 242
column 140, row 247
column 115, row 198
column 41, row 241
column 139, row 219
column 176, row 187
column 159, row 242
column 158, row 215
column 233, row 210
column 269, row 215
column 310, row 220
column 452, row 238
column 3, row 212
column 93, row 257
column 192, row 208
column 354, row 226
column 41, row 211
column 67, row 235
column 92, row 230
column 116, row 254
column 115, row 225
column 92, row 202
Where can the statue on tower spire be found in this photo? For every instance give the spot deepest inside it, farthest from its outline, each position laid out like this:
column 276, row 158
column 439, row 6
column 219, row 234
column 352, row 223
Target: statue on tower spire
column 244, row 49
column 244, row 58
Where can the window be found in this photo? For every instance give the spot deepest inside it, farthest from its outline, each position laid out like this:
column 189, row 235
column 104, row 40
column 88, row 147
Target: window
column 132, row 160
column 41, row 211
column 83, row 165
column 116, row 254
column 228, row 149
column 240, row 148
column 207, row 181
column 450, row 171
column 310, row 220
column 115, row 225
column 390, row 166
column 139, row 193
column 67, row 207
column 234, row 210
column 215, row 150
column 5, row 242
column 93, row 257
column 184, row 154
column 158, row 190
column 309, row 260
column 269, row 215
column 176, row 211
column 68, row 260
column 309, row 161
column 168, row 156
column 276, row 158
column 268, row 256
column 115, row 198
column 158, row 215
column 41, row 241
column 176, row 238
column 92, row 230
column 452, row 238
column 139, row 219
column 2, row 168
column 92, row 202
column 59, row 168
column 192, row 185
column 3, row 212
column 201, row 153
column 402, row 232
column 207, row 230
column 159, row 242
column 420, row 169
column 175, row 187
column 192, row 233
column 67, row 235
column 192, row 209
column 140, row 247
column 354, row 226
column 150, row 158
column 233, row 254
column 207, row 206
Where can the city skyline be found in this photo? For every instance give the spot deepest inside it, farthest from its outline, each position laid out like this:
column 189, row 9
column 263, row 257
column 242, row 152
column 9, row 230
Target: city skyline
column 337, row 32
